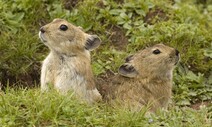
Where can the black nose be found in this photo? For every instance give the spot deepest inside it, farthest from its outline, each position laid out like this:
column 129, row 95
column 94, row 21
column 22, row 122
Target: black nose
column 177, row 52
column 42, row 30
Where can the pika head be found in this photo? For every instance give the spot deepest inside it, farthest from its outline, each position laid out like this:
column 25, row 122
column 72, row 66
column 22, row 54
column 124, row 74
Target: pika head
column 158, row 60
column 63, row 37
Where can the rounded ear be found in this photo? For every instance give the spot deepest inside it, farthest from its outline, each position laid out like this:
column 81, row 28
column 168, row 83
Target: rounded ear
column 92, row 42
column 127, row 70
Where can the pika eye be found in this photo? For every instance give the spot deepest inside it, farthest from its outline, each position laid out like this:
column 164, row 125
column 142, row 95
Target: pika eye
column 63, row 27
column 156, row 51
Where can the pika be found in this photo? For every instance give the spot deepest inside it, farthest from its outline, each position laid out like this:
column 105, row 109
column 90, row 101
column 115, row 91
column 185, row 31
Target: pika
column 68, row 65
column 145, row 79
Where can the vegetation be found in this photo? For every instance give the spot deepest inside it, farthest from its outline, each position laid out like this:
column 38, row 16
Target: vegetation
column 32, row 108
column 124, row 26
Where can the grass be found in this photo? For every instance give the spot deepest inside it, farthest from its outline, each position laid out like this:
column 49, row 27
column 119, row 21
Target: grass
column 124, row 27
column 30, row 107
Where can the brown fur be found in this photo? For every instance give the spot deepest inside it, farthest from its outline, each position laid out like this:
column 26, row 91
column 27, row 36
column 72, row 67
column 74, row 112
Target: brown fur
column 67, row 67
column 145, row 79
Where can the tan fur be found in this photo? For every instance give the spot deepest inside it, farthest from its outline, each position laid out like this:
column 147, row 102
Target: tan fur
column 67, row 67
column 148, row 83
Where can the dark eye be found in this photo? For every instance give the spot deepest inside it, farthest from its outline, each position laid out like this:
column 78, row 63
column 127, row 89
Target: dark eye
column 63, row 27
column 156, row 51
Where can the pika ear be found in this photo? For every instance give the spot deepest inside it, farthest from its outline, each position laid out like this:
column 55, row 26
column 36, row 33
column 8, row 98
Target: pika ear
column 127, row 70
column 92, row 42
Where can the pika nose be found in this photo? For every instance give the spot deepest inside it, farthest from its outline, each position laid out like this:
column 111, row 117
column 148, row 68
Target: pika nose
column 42, row 30
column 177, row 52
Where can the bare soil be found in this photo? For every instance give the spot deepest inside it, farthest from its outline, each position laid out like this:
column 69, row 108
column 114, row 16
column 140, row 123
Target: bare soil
column 118, row 38
column 155, row 15
column 199, row 105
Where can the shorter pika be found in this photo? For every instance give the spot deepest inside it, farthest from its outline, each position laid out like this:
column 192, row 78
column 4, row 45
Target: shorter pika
column 145, row 79
column 67, row 67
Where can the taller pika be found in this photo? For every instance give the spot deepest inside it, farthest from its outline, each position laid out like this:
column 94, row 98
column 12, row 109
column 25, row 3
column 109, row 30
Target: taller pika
column 67, row 67
column 144, row 79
